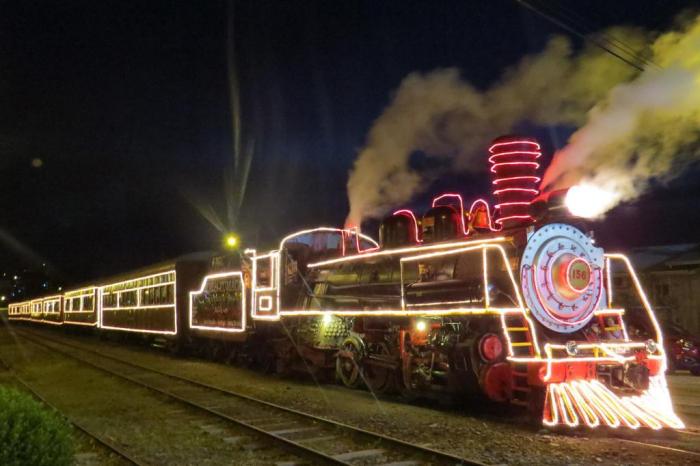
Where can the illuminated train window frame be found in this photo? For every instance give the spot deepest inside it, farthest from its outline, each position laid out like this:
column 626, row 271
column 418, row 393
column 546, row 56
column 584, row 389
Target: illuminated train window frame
column 54, row 303
column 23, row 311
column 244, row 309
column 124, row 286
column 35, row 309
column 81, row 294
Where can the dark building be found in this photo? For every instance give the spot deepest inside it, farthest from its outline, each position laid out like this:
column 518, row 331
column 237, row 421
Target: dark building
column 671, row 277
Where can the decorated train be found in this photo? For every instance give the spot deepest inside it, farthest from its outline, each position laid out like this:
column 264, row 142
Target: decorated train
column 514, row 304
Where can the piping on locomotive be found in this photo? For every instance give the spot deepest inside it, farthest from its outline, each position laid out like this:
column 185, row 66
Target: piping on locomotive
column 519, row 308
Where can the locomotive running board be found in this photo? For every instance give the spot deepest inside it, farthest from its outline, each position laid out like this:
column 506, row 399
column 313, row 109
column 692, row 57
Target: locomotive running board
column 592, row 404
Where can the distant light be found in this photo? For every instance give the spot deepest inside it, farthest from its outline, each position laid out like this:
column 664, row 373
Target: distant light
column 37, row 163
column 3, row 298
column 60, row 288
column 589, row 201
column 15, row 277
column 231, row 241
column 421, row 326
column 327, row 318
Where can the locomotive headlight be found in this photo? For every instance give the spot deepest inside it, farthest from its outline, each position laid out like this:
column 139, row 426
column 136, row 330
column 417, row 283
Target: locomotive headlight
column 651, row 346
column 231, row 241
column 421, row 326
column 588, row 201
column 571, row 348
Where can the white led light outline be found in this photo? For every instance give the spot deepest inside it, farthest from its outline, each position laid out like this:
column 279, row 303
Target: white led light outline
column 81, row 294
column 138, row 289
column 521, row 309
column 275, row 279
column 277, row 276
column 645, row 302
column 268, row 303
column 342, row 231
column 408, row 250
column 216, row 276
column 401, row 312
column 595, row 403
column 444, row 303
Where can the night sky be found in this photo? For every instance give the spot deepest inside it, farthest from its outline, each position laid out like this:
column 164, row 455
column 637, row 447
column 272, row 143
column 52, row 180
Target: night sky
column 116, row 121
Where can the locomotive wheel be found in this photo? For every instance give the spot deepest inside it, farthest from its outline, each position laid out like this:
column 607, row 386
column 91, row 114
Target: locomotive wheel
column 380, row 379
column 347, row 363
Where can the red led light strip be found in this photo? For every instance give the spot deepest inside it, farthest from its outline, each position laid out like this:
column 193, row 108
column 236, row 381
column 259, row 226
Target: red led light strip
column 524, row 153
column 512, row 143
column 508, row 190
column 514, row 166
column 501, row 164
column 534, row 179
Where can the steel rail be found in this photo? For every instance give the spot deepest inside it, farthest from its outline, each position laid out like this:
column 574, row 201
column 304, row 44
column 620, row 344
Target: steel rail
column 398, row 444
column 98, row 438
column 661, row 447
column 296, row 448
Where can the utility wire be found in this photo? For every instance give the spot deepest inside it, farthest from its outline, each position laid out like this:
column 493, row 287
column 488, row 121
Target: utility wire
column 610, row 39
column 572, row 30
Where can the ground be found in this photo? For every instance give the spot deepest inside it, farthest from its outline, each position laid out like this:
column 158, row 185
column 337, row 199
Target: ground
column 485, row 433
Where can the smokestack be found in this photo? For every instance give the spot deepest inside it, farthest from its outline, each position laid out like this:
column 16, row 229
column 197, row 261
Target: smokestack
column 514, row 167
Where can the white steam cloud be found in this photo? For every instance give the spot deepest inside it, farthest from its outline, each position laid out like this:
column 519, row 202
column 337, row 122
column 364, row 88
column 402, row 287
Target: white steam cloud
column 445, row 117
column 644, row 129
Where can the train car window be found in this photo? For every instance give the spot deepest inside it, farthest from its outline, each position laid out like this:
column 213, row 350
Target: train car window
column 169, row 296
column 127, row 298
column 264, row 272
column 501, row 290
column 88, row 303
column 109, row 300
column 319, row 244
column 147, row 296
column 451, row 280
column 333, row 242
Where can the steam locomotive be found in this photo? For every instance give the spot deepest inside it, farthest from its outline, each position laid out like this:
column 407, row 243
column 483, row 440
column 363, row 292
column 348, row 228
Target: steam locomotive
column 513, row 303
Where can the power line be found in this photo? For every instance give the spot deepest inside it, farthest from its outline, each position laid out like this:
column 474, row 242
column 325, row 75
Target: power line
column 610, row 39
column 585, row 37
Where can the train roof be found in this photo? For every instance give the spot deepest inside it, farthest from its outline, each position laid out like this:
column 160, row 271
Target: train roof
column 194, row 257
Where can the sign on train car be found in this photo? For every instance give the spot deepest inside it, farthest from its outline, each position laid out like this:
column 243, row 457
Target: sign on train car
column 219, row 304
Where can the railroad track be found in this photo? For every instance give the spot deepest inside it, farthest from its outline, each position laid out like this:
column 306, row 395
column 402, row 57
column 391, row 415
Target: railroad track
column 110, row 446
column 662, row 447
column 310, row 437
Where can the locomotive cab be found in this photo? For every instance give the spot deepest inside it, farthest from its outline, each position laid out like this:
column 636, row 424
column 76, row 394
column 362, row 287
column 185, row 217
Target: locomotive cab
column 399, row 229
column 441, row 223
